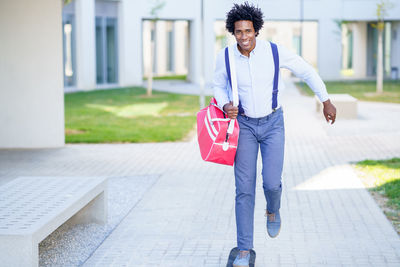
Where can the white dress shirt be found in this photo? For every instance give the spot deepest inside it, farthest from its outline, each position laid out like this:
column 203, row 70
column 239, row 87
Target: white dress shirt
column 255, row 77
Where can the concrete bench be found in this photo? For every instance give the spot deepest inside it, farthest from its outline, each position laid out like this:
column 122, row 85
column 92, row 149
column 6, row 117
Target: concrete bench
column 346, row 105
column 31, row 208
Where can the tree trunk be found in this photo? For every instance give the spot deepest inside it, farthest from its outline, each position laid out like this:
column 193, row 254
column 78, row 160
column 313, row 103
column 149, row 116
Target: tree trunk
column 150, row 71
column 379, row 67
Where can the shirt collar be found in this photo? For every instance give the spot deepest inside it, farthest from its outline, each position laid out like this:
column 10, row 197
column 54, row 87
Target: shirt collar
column 253, row 52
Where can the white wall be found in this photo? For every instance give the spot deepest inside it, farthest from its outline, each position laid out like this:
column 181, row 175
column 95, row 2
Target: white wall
column 31, row 74
column 366, row 10
column 329, row 41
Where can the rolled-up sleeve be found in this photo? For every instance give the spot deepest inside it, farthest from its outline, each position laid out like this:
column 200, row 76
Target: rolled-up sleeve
column 220, row 81
column 303, row 70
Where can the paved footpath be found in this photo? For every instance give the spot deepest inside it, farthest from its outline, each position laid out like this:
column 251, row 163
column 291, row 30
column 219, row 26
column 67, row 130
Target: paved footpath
column 187, row 217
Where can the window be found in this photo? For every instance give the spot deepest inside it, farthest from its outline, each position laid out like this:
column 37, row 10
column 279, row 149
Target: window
column 372, row 49
column 349, row 62
column 170, row 53
column 68, row 50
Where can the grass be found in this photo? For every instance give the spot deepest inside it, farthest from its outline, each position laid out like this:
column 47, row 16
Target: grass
column 382, row 177
column 362, row 90
column 128, row 115
column 170, row 77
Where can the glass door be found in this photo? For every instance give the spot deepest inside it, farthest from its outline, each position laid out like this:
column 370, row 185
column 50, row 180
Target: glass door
column 106, row 50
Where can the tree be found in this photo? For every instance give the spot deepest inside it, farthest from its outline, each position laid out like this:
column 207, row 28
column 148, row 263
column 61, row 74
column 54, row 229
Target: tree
column 381, row 10
column 157, row 6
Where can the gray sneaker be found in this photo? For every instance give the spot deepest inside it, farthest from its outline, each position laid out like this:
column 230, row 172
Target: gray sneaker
column 242, row 259
column 273, row 223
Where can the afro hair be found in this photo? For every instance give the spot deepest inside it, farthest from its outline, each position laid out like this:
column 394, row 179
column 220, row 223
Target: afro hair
column 244, row 11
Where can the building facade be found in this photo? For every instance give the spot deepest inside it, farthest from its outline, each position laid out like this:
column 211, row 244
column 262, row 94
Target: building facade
column 336, row 37
column 47, row 48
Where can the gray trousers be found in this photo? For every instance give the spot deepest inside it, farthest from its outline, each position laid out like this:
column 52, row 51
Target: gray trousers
column 268, row 134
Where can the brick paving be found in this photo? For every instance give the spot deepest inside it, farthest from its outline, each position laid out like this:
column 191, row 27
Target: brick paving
column 187, row 217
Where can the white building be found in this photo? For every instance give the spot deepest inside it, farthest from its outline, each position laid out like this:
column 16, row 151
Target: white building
column 46, row 48
column 336, row 36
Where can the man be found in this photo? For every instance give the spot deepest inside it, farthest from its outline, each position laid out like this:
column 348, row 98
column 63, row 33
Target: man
column 260, row 118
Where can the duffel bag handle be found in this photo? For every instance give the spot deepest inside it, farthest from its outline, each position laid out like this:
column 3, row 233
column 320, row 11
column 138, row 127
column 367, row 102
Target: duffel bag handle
column 231, row 127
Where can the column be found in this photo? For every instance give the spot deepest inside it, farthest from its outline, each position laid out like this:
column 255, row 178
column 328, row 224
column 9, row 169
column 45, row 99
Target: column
column 209, row 48
column 130, row 41
column 194, row 51
column 31, row 74
column 85, row 44
column 359, row 49
column 329, row 49
column 160, row 43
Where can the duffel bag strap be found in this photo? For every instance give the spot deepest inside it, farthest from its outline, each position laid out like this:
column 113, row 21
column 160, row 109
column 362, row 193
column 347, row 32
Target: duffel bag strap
column 218, row 119
column 231, row 72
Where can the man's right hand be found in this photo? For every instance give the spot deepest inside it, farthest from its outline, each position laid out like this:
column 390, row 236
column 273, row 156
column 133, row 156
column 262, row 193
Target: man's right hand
column 231, row 110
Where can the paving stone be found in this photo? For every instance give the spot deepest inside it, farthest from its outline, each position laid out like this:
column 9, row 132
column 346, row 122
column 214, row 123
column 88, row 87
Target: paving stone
column 187, row 217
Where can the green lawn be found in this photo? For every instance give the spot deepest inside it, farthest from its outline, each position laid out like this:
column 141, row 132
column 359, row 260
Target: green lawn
column 128, row 115
column 383, row 177
column 170, row 77
column 362, row 90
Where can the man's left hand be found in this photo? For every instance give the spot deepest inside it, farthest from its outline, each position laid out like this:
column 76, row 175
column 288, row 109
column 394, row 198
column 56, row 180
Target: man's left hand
column 329, row 111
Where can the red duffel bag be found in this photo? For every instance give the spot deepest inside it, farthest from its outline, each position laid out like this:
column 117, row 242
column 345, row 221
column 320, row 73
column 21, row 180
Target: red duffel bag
column 217, row 135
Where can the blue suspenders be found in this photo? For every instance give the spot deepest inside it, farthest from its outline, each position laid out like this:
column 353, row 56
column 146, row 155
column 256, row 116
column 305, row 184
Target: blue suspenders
column 276, row 76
